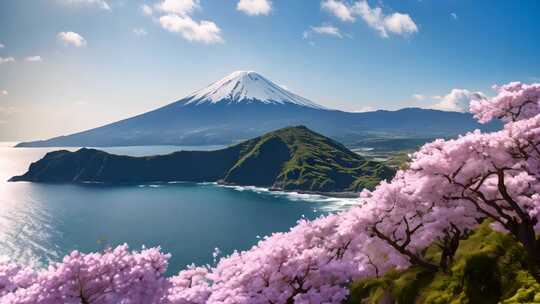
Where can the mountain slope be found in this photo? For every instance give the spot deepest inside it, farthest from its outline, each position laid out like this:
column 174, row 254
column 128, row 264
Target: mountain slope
column 293, row 158
column 300, row 159
column 244, row 105
column 489, row 268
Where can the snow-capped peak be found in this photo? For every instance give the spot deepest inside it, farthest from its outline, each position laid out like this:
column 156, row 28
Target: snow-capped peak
column 247, row 86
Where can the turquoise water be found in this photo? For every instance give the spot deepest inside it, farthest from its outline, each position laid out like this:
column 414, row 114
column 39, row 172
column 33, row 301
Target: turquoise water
column 39, row 223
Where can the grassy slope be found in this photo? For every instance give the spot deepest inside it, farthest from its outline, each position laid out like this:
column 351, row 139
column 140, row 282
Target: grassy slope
column 307, row 161
column 294, row 158
column 489, row 268
column 399, row 160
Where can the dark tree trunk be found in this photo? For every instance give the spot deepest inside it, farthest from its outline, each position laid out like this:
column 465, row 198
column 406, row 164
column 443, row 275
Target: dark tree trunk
column 444, row 262
column 532, row 246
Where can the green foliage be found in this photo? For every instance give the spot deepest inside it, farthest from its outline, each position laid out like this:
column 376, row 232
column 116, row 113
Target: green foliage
column 293, row 158
column 314, row 163
column 400, row 287
column 399, row 160
column 481, row 278
column 489, row 268
column 260, row 165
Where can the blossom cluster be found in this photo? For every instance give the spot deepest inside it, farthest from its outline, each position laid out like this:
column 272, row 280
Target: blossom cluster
column 449, row 187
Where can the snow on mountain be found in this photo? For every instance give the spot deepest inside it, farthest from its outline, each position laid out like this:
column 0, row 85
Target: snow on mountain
column 247, row 86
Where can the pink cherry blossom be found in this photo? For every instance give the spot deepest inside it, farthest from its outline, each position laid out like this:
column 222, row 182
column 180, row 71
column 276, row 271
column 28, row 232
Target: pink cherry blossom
column 514, row 101
column 450, row 187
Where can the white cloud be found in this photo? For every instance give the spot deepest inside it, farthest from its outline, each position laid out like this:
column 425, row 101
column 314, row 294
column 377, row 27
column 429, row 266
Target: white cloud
column 454, row 15
column 323, row 30
column 400, row 24
column 396, row 23
column 6, row 59
column 100, row 3
column 2, row 46
column 4, row 92
column 373, row 17
column 176, row 17
column 33, row 59
column 204, row 31
column 457, row 100
column 419, row 97
column 140, row 32
column 254, row 7
column 179, row 7
column 71, row 38
column 339, row 9
column 147, row 10
column 365, row 109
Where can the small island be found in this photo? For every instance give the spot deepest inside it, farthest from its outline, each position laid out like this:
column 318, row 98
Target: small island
column 289, row 159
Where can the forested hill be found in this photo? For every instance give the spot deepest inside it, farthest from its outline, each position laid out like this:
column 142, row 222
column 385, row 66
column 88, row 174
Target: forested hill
column 293, row 158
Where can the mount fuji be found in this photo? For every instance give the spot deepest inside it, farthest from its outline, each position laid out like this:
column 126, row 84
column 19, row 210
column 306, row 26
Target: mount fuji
column 245, row 104
column 247, row 87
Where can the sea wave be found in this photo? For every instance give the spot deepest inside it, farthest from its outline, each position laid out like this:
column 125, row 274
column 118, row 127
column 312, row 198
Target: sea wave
column 331, row 204
column 207, row 183
column 150, row 186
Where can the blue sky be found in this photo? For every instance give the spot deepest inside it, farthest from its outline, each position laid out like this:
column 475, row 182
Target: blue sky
column 69, row 65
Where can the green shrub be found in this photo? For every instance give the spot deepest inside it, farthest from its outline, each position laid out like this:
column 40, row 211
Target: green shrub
column 489, row 267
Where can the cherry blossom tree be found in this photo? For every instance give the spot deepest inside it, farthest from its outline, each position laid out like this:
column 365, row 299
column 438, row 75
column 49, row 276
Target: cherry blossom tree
column 410, row 221
column 495, row 175
column 190, row 286
column 309, row 264
column 14, row 277
column 514, row 101
column 114, row 276
column 449, row 187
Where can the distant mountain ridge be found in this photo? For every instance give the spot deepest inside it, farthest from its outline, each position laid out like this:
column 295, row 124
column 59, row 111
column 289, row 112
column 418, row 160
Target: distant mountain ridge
column 246, row 104
column 293, row 158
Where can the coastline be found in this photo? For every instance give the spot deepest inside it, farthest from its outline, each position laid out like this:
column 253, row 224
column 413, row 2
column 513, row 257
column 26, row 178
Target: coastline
column 345, row 194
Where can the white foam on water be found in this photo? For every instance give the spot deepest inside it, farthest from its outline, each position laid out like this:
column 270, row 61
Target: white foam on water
column 332, row 204
column 150, row 185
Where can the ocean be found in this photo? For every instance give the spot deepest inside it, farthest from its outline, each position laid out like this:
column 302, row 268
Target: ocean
column 40, row 223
